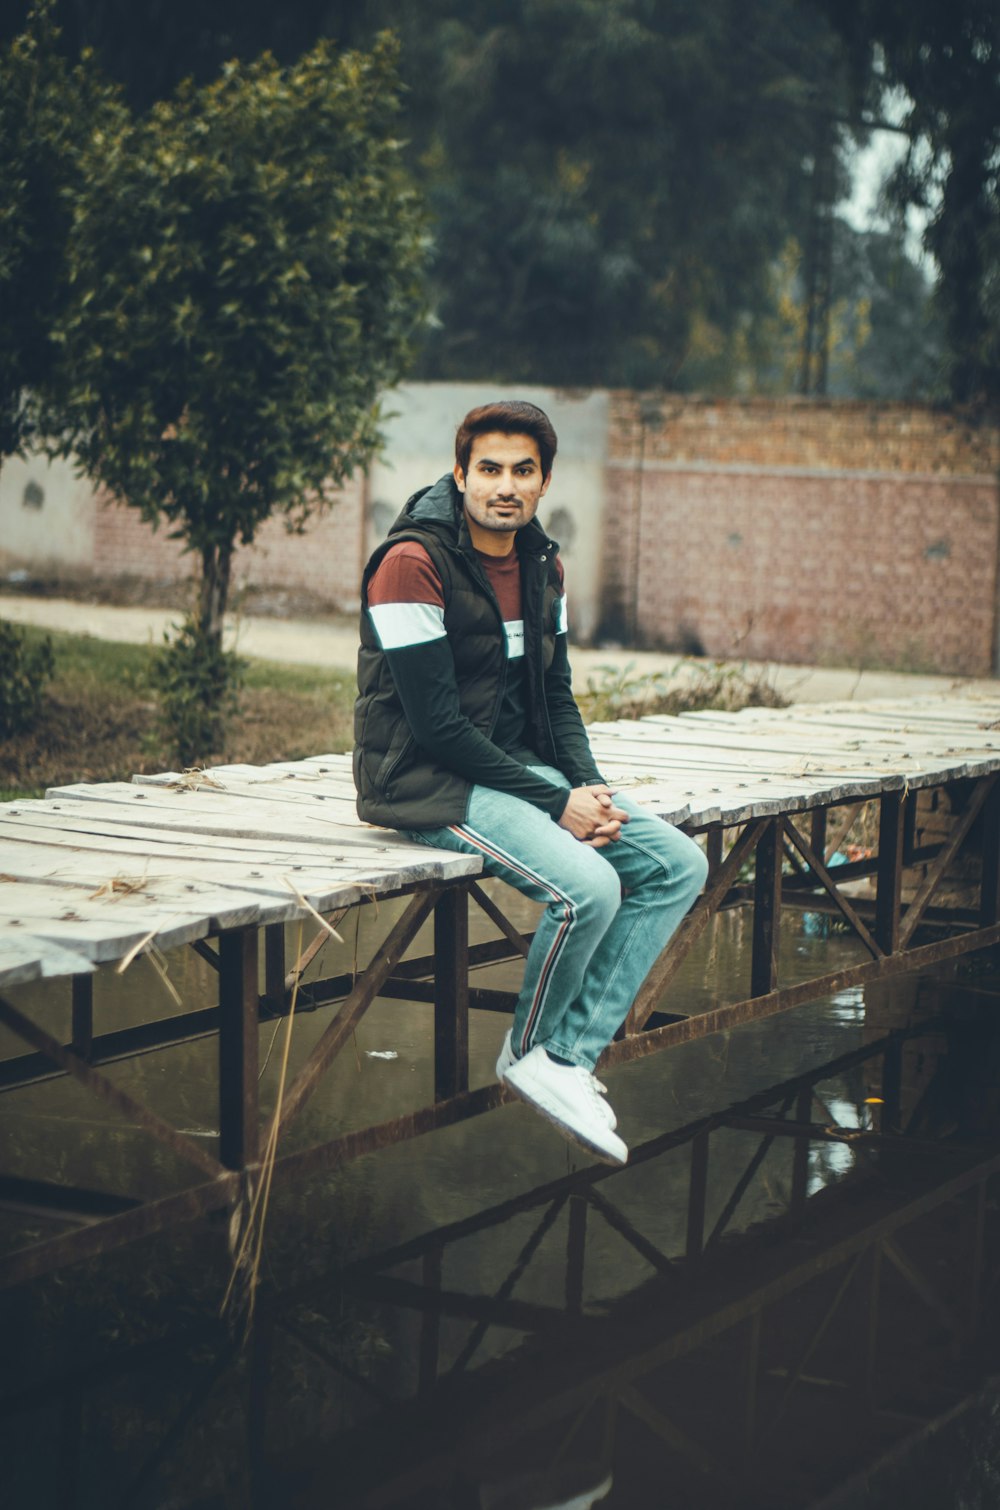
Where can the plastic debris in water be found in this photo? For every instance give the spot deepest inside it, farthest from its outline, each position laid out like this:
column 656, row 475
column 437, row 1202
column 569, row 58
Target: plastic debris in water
column 381, row 1054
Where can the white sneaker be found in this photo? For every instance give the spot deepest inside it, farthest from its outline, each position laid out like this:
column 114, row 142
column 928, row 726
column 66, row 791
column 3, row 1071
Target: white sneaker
column 567, row 1096
column 506, row 1059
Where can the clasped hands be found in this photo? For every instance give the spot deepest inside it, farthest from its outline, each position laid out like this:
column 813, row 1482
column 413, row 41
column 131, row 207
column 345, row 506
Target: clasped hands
column 590, row 815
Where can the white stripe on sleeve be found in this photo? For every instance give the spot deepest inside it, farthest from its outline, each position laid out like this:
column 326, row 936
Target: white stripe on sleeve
column 400, row 624
column 562, row 620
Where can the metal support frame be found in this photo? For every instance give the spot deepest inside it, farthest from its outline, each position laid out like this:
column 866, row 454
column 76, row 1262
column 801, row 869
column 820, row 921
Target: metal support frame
column 685, row 1310
column 238, row 1035
column 889, row 936
column 766, row 911
column 451, row 995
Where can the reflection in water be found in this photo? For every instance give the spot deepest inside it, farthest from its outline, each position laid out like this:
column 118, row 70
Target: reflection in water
column 793, row 1275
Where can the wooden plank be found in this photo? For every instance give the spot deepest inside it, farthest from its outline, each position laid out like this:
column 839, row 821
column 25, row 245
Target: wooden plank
column 25, row 957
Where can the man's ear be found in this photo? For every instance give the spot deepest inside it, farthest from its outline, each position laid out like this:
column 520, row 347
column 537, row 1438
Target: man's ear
column 459, row 477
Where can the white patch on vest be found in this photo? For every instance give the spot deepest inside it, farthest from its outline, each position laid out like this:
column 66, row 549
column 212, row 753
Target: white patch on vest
column 514, row 630
column 562, row 620
column 400, row 624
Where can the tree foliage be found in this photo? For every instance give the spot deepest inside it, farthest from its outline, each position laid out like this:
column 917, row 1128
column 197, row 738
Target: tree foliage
column 947, row 60
column 48, row 110
column 244, row 266
column 614, row 183
column 609, row 177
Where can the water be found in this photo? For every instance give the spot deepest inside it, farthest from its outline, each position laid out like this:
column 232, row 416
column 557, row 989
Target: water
column 481, row 1318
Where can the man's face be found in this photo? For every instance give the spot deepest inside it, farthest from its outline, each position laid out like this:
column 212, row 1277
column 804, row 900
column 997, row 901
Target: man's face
column 502, row 487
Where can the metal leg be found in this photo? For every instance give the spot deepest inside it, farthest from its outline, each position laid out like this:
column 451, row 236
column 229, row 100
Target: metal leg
column 892, row 1085
column 83, row 1015
column 989, row 897
column 430, row 1321
column 713, row 849
column 767, row 911
column 817, row 832
column 890, row 871
column 753, row 1373
column 238, row 1046
column 451, row 994
column 697, row 1194
column 274, row 965
column 800, row 1159
column 576, row 1249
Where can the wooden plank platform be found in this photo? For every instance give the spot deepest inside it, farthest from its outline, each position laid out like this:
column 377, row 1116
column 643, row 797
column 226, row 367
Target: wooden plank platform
column 220, row 861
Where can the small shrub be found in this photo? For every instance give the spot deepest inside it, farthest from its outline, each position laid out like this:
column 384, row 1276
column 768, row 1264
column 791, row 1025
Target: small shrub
column 198, row 685
column 686, row 688
column 25, row 669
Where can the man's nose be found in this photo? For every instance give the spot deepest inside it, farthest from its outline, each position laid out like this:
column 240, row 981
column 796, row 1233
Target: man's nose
column 507, row 488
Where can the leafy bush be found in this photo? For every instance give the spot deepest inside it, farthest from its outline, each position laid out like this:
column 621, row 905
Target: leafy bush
column 198, row 685
column 686, row 688
column 24, row 671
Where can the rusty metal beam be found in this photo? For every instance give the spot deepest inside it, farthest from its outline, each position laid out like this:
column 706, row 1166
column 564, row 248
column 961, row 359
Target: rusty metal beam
column 451, row 994
column 889, row 887
column 486, row 904
column 357, row 1003
column 936, row 873
column 107, row 1048
column 666, row 967
column 274, row 966
column 989, row 894
column 576, row 1253
column 106, row 1090
column 238, row 1048
column 82, row 1033
column 697, row 1196
column 766, row 910
column 35, row 1259
column 746, row 1178
column 518, row 1269
column 620, row 1223
column 829, row 885
column 755, row 1008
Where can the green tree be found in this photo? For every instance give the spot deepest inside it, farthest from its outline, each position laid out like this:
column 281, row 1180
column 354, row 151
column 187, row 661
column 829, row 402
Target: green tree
column 48, row 111
column 947, row 60
column 610, row 181
column 245, row 272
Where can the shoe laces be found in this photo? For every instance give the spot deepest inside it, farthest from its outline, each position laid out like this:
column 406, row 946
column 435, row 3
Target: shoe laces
column 591, row 1083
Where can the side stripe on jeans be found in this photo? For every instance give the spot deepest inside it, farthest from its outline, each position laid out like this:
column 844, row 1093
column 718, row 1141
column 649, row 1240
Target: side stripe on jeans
column 492, row 852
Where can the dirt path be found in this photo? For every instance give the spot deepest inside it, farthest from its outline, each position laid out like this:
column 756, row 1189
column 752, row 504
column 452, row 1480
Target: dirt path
column 333, row 644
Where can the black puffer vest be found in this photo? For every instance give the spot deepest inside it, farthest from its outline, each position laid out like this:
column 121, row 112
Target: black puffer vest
column 398, row 784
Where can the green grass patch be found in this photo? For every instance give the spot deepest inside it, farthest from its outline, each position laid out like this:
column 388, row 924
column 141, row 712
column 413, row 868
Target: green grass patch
column 99, row 717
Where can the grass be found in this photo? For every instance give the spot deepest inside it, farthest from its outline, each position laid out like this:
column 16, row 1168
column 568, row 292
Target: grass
column 690, row 687
column 99, row 719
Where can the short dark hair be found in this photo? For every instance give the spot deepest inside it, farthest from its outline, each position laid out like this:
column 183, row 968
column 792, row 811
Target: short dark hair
column 509, row 417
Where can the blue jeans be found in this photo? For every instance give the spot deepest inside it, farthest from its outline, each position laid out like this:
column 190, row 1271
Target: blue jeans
column 609, row 912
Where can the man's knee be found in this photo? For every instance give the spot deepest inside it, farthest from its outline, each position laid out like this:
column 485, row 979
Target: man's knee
column 599, row 893
column 684, row 862
column 695, row 865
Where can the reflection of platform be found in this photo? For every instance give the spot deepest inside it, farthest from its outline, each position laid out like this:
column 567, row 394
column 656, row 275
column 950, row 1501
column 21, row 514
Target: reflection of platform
column 740, row 1368
column 752, row 1371
column 221, row 862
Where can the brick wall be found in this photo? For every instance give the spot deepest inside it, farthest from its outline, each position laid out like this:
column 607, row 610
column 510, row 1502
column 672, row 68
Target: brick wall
column 804, row 530
column 325, row 560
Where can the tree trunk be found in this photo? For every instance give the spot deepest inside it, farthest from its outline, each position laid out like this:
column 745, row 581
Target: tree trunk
column 213, row 590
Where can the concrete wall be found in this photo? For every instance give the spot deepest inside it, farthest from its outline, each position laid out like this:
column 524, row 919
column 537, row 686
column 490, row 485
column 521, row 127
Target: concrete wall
column 325, row 560
column 805, row 530
column 786, row 529
column 46, row 518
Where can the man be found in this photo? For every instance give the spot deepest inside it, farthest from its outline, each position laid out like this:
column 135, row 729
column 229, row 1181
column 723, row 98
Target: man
column 467, row 737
